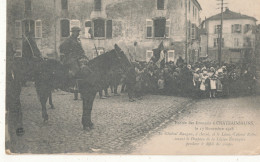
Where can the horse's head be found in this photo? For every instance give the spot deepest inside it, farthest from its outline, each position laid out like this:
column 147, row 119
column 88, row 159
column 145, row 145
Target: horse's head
column 123, row 61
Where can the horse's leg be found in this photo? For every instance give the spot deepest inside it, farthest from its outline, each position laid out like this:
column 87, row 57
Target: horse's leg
column 50, row 100
column 43, row 100
column 88, row 100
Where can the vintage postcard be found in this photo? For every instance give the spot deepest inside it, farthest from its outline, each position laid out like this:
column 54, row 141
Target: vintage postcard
column 132, row 77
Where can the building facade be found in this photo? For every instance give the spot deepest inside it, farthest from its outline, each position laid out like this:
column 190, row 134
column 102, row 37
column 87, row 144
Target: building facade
column 238, row 38
column 137, row 26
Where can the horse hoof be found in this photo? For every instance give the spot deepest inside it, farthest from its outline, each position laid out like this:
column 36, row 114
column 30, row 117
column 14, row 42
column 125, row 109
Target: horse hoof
column 52, row 107
column 45, row 120
column 87, row 129
column 20, row 131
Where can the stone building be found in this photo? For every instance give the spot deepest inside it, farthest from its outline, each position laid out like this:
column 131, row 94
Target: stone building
column 138, row 26
column 238, row 42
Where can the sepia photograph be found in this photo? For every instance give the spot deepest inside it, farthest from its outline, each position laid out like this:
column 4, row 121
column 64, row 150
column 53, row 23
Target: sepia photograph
column 131, row 77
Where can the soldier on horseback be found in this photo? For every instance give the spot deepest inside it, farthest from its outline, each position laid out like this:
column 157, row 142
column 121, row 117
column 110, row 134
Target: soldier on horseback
column 73, row 52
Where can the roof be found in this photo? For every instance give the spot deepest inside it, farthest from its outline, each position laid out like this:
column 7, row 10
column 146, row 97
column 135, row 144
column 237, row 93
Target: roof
column 230, row 15
column 198, row 4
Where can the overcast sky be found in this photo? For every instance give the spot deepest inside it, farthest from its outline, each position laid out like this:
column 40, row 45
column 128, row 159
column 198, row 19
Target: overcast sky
column 246, row 7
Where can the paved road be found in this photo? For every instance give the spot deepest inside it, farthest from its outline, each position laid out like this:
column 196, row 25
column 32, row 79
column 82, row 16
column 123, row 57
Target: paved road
column 168, row 138
column 118, row 123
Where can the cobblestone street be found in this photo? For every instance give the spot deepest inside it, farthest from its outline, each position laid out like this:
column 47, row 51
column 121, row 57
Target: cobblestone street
column 162, row 141
column 118, row 123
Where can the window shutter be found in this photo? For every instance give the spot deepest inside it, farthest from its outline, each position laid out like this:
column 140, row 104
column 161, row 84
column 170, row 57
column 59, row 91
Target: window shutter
column 18, row 29
column 149, row 55
column 88, row 29
column 189, row 30
column 109, row 29
column 193, row 31
column 65, row 28
column 149, row 28
column 167, row 28
column 232, row 29
column 38, row 29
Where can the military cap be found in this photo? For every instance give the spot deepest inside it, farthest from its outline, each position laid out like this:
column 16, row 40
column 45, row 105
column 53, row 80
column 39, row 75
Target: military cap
column 75, row 28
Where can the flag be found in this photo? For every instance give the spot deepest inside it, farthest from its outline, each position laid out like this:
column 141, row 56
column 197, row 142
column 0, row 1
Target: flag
column 158, row 55
column 157, row 52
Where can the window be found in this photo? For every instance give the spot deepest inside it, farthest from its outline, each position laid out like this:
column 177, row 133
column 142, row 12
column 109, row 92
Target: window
column 160, row 4
column 64, row 4
column 193, row 31
column 18, row 29
column 236, row 28
column 159, row 27
column 88, row 29
column 171, row 55
column 247, row 28
column 28, row 5
column 149, row 28
column 109, row 29
column 217, row 28
column 28, row 26
column 216, row 42
column 236, row 42
column 65, row 28
column 97, row 5
column 247, row 42
column 99, row 28
column 149, row 55
column 38, row 29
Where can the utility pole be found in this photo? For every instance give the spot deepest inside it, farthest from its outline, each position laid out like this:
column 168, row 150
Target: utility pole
column 55, row 30
column 220, row 40
column 186, row 33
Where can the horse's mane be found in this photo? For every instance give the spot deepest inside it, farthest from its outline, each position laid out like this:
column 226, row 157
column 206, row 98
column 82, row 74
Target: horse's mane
column 102, row 59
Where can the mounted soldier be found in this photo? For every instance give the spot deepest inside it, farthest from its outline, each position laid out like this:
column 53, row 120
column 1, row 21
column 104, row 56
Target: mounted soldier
column 73, row 52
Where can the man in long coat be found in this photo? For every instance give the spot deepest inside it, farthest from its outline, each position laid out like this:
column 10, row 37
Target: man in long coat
column 73, row 51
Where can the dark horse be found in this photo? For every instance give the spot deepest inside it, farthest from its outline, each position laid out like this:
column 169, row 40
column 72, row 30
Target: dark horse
column 51, row 74
column 97, row 80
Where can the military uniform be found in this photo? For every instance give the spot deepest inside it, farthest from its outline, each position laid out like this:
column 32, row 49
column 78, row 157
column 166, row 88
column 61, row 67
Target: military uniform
column 73, row 52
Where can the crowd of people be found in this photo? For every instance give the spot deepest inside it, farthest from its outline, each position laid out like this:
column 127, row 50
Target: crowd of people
column 202, row 79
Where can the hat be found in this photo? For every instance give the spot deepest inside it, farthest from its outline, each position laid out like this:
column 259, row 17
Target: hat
column 75, row 28
column 212, row 69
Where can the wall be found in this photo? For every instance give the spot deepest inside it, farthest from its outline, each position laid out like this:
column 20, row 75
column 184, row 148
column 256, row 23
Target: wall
column 129, row 24
column 227, row 32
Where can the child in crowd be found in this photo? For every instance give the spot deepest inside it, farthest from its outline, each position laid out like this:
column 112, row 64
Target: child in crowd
column 161, row 84
column 213, row 83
